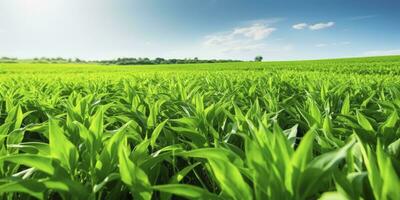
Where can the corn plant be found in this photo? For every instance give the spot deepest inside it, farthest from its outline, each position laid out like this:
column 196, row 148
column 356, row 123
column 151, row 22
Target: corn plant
column 275, row 130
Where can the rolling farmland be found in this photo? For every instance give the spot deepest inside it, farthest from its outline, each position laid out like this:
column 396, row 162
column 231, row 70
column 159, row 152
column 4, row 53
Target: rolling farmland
column 324, row 129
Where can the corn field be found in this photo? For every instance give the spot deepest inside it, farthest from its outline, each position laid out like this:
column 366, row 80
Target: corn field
column 275, row 130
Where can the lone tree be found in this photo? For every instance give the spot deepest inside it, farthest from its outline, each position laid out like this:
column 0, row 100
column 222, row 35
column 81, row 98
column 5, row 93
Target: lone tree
column 258, row 58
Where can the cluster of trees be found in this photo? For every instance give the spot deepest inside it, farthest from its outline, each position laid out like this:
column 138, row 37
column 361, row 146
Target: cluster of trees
column 258, row 58
column 8, row 60
column 42, row 60
column 58, row 60
column 147, row 61
column 127, row 61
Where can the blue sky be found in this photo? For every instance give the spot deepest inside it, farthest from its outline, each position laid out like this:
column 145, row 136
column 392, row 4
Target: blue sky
column 226, row 29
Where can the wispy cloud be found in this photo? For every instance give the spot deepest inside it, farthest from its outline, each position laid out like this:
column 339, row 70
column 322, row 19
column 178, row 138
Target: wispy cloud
column 300, row 26
column 241, row 38
column 314, row 27
column 320, row 26
column 362, row 17
column 255, row 32
column 382, row 52
column 268, row 21
column 320, row 45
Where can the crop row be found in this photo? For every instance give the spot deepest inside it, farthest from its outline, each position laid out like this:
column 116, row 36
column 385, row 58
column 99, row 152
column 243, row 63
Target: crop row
column 215, row 135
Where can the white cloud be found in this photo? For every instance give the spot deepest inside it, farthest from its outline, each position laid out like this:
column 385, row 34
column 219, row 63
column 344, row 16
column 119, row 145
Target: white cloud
column 267, row 21
column 321, row 45
column 320, row 26
column 216, row 40
column 314, row 27
column 300, row 26
column 255, row 31
column 240, row 39
column 332, row 44
column 382, row 52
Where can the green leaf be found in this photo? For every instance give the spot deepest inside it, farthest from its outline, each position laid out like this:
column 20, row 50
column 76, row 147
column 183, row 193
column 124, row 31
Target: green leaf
column 394, row 148
column 346, row 105
column 132, row 175
column 391, row 181
column 374, row 177
column 84, row 133
column 213, row 153
column 97, row 123
column 389, row 125
column 230, row 180
column 333, row 196
column 315, row 112
column 366, row 101
column 364, row 123
column 109, row 178
column 61, row 148
column 291, row 134
column 329, row 159
column 181, row 174
column 303, row 153
column 67, row 186
column 312, row 179
column 16, row 116
column 187, row 191
column 299, row 161
column 108, row 160
column 31, row 187
column 41, row 163
column 156, row 133
column 33, row 148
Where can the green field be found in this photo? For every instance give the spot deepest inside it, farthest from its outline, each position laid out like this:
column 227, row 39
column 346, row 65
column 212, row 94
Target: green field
column 325, row 129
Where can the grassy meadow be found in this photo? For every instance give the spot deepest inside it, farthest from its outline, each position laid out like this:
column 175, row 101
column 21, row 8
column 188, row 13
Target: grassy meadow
column 324, row 129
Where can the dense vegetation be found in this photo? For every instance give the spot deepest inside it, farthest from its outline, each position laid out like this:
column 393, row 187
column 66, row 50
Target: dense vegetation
column 118, row 61
column 147, row 61
column 251, row 130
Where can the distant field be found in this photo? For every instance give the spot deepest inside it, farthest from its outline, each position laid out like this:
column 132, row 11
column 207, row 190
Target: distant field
column 326, row 129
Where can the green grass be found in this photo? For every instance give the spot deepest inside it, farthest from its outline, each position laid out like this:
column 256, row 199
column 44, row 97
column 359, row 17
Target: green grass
column 325, row 129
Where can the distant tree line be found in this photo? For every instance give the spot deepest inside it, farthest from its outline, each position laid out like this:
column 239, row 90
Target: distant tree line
column 57, row 60
column 118, row 61
column 41, row 60
column 8, row 60
column 147, row 61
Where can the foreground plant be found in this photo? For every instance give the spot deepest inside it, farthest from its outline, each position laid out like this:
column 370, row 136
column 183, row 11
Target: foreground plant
column 288, row 131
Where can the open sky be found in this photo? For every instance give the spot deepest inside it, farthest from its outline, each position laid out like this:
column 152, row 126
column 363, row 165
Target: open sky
column 227, row 29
